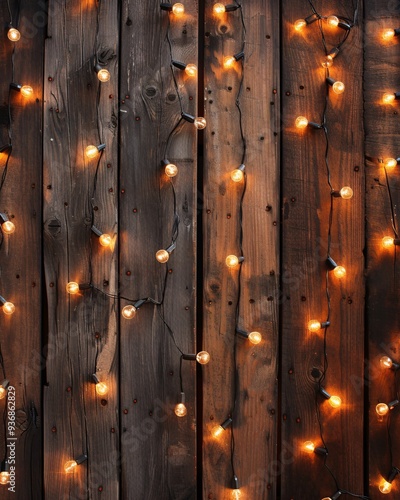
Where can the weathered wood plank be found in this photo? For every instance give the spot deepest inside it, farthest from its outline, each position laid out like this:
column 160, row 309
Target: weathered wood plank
column 82, row 329
column 255, row 416
column 158, row 448
column 383, row 274
column 20, row 252
column 306, row 207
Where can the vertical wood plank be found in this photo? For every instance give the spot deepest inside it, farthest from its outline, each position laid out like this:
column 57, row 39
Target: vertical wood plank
column 20, row 252
column 255, row 417
column 158, row 448
column 306, row 206
column 381, row 141
column 78, row 192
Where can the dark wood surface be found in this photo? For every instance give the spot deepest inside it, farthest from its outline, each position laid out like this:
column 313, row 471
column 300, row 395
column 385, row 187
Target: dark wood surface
column 82, row 328
column 255, row 416
column 20, row 252
column 159, row 448
column 306, row 206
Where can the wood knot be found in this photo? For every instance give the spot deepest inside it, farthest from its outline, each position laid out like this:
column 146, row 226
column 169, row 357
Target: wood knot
column 150, row 91
column 54, row 226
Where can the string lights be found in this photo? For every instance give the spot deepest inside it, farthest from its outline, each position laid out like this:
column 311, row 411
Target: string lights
column 25, row 90
column 7, row 226
column 71, row 465
column 390, row 33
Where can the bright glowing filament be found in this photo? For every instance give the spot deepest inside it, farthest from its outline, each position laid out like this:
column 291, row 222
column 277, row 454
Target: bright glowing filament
column 70, row 466
column 388, row 98
column 72, row 287
column 26, row 91
column 255, row 337
column 387, row 242
column 314, row 325
column 171, row 170
column 228, row 62
column 301, row 122
column 382, row 409
column 386, row 362
column 128, row 312
column 191, row 70
column 8, row 227
column 299, row 24
column 101, row 389
column 218, row 8
column 237, row 175
column 338, row 88
column 200, row 123
column 4, row 477
column 3, row 392
column 385, row 487
column 180, row 410
column 8, row 308
column 162, row 256
column 327, row 62
column 105, row 240
column 178, row 9
column 339, row 272
column 309, row 446
column 103, row 75
column 332, row 21
column 217, row 431
column 236, row 494
column 388, row 34
column 13, row 34
column 232, row 261
column 91, row 151
column 335, row 401
column 346, row 193
column 390, row 162
column 203, row 357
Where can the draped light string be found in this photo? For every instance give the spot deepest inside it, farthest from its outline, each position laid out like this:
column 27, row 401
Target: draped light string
column 302, row 123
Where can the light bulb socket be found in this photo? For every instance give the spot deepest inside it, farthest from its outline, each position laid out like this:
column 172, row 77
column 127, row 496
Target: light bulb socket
column 314, row 125
column 183, row 398
column 171, row 248
column 331, row 263
column 336, row 194
column 226, row 423
column 139, row 303
column 330, row 81
column 396, row 31
column 5, row 147
column 396, row 241
column 242, row 167
column 82, row 458
column 395, row 366
column 344, row 26
column 235, row 482
column 166, row 6
column 5, row 466
column 336, row 495
column 231, row 7
column 96, row 231
column 165, row 162
column 3, row 218
column 189, row 357
column 393, row 404
column 311, row 19
column 95, row 379
column 396, row 97
column 240, row 259
column 16, row 86
column 5, row 383
column 100, row 147
column 179, row 65
column 189, row 118
column 97, row 67
column 393, row 474
column 320, row 450
column 84, row 286
column 334, row 52
column 2, row 300
column 242, row 333
column 324, row 393
column 238, row 56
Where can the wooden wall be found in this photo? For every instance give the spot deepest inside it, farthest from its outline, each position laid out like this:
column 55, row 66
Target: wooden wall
column 282, row 218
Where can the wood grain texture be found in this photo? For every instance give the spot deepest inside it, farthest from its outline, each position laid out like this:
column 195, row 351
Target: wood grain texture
column 306, row 205
column 255, row 424
column 82, row 329
column 20, row 252
column 381, row 141
column 158, row 448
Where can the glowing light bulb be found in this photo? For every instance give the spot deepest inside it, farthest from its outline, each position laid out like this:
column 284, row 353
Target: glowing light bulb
column 180, row 410
column 3, row 392
column 8, row 308
column 301, row 122
column 70, row 466
column 162, row 256
column 299, row 24
column 314, row 325
column 390, row 162
column 200, row 123
column 388, row 98
column 91, row 151
column 236, row 494
column 171, row 170
column 237, row 175
column 388, row 34
column 203, row 357
column 339, row 272
column 255, row 337
column 13, row 34
column 382, row 409
column 26, row 90
column 217, row 431
column 218, row 8
column 4, row 477
column 128, row 312
column 338, row 88
column 386, row 362
column 327, row 62
column 335, row 401
column 309, row 446
column 232, row 261
column 346, row 193
column 332, row 21
column 228, row 62
column 105, row 240
column 8, row 227
column 385, row 487
column 101, row 389
column 387, row 242
column 191, row 70
column 103, row 75
column 178, row 9
column 72, row 287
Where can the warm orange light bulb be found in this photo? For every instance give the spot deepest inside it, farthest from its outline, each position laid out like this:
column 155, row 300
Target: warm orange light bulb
column 385, row 487
column 309, row 446
column 338, row 87
column 327, row 62
column 218, row 8
column 128, row 312
column 70, row 466
column 91, row 151
column 180, row 410
column 388, row 34
column 388, row 98
column 299, row 24
column 72, row 287
column 237, row 175
column 236, row 494
column 301, row 122
column 232, row 261
column 8, row 308
column 387, row 242
column 382, row 409
column 339, row 272
column 162, row 256
column 386, row 362
column 171, row 170
column 8, row 227
column 203, row 357
column 332, row 21
column 103, row 75
column 178, row 9
column 13, row 34
column 390, row 162
column 26, row 91
column 4, row 477
column 200, row 122
column 228, row 62
column 105, row 240
column 191, row 70
column 314, row 325
column 255, row 337
column 3, row 392
column 217, row 431
column 346, row 193
column 335, row 401
column 101, row 389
